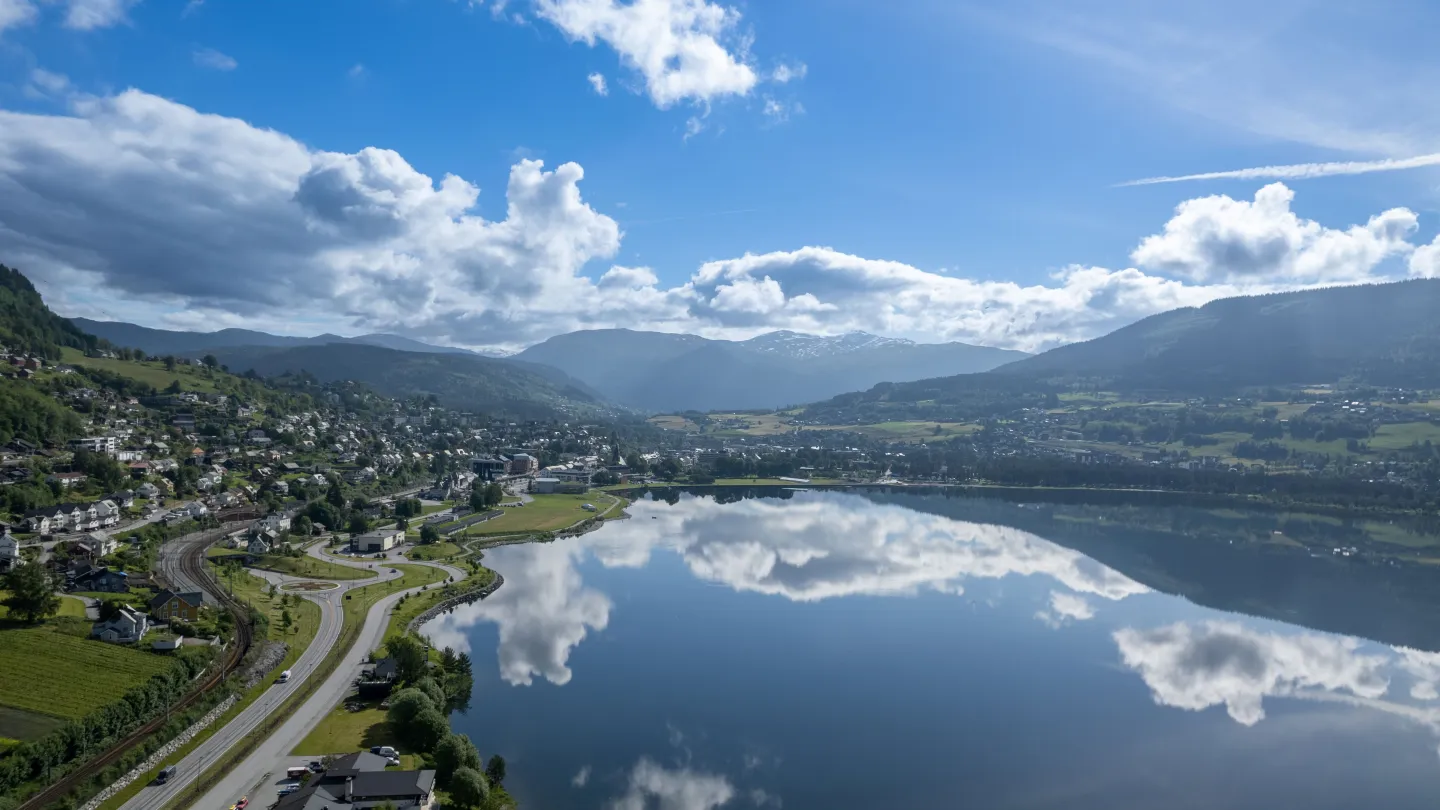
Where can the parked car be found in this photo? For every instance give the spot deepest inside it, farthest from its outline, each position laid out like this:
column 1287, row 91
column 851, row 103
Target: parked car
column 385, row 751
column 316, row 766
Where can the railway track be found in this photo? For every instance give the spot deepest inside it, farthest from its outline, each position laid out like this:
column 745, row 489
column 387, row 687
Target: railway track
column 192, row 568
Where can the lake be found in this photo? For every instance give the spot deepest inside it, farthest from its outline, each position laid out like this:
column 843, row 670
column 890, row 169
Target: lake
column 897, row 650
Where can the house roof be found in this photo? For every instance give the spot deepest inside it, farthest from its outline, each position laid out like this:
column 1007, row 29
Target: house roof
column 193, row 599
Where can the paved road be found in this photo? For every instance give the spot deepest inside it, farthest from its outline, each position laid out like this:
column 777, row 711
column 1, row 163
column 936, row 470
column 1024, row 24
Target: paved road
column 258, row 774
column 195, row 764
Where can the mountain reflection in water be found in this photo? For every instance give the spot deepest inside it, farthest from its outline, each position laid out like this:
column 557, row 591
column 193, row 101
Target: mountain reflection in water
column 838, row 553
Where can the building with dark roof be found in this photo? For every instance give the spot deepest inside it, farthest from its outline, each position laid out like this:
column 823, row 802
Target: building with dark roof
column 359, row 782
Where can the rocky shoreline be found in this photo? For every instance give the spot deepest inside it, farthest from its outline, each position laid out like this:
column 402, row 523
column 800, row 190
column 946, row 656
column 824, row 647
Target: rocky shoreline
column 453, row 602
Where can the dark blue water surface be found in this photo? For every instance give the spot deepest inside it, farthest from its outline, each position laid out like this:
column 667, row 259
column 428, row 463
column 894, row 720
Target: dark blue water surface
column 825, row 650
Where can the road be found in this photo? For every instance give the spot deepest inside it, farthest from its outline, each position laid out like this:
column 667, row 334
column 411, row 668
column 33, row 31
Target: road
column 270, row 757
column 47, row 547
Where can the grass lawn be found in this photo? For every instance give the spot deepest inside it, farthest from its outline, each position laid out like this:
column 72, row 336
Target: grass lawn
column 47, row 669
column 190, row 377
column 547, row 513
column 308, row 566
column 443, row 550
column 674, row 423
column 343, row 731
column 216, row 551
column 69, row 607
column 138, row 598
column 1398, row 437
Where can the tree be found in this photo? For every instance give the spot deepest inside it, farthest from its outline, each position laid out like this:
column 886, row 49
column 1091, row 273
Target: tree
column 324, row 513
column 429, row 534
column 432, row 690
column 286, row 620
column 494, row 494
column 359, row 524
column 495, row 770
column 32, row 594
column 428, row 729
column 109, row 609
column 173, row 387
column 302, row 526
column 453, row 753
column 335, row 496
column 411, row 660
column 668, row 468
column 477, row 499
column 405, row 706
column 170, row 362
column 468, row 788
column 211, row 360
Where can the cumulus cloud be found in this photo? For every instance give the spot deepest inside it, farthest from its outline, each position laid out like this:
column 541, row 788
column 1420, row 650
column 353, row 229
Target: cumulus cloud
column 685, row 50
column 581, row 777
column 673, row 789
column 1218, row 238
column 45, row 84
column 215, row 60
column 597, row 82
column 1195, row 666
column 87, row 15
column 1065, row 608
column 191, row 219
column 14, row 13
column 813, row 547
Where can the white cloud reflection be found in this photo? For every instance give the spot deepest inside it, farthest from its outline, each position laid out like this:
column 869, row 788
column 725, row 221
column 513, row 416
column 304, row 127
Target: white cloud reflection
column 812, row 547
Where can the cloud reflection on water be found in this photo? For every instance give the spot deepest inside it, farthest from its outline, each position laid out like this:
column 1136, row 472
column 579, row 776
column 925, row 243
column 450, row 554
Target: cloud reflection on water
column 811, row 547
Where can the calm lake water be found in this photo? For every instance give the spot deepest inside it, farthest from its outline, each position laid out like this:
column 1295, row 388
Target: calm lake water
column 824, row 650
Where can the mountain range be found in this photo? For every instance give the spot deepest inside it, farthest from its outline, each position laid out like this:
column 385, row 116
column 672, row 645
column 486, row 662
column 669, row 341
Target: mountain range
column 167, row 341
column 1378, row 334
column 660, row 372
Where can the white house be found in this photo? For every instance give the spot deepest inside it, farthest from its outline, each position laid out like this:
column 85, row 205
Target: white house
column 147, row 490
column 9, row 550
column 101, row 543
column 275, row 523
column 128, row 626
column 258, row 545
column 107, row 513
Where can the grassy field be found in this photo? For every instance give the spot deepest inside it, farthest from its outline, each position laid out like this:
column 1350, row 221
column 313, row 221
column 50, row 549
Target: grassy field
column 343, row 731
column 547, row 513
column 47, row 670
column 443, row 550
column 191, row 378
column 69, row 607
column 916, row 431
column 308, row 566
column 674, row 423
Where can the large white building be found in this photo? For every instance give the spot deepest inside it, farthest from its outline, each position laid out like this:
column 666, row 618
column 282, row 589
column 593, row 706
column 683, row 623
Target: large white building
column 378, row 540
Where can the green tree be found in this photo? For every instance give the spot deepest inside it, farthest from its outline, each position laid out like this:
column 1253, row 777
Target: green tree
column 468, row 788
column 32, row 594
column 429, row 534
column 432, row 690
column 454, row 752
column 405, row 706
column 211, row 360
column 411, row 660
column 335, row 496
column 477, row 499
column 359, row 524
column 495, row 770
column 494, row 494
column 428, row 729
column 170, row 362
column 286, row 620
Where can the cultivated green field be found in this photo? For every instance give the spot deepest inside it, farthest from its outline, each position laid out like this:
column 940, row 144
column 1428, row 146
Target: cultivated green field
column 62, row 675
column 69, row 606
column 191, row 378
column 547, row 513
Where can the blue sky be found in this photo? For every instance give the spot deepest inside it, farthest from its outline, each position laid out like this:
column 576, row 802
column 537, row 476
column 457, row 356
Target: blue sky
column 930, row 169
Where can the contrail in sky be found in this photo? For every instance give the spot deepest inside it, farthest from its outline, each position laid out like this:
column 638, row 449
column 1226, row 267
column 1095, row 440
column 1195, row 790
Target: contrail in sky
column 1300, row 171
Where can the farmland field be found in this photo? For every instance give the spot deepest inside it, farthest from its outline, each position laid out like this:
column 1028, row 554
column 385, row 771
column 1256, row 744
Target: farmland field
column 546, row 513
column 189, row 377
column 79, row 675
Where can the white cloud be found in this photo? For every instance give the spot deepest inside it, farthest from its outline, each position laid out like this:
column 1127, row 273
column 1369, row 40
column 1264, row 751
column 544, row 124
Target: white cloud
column 785, row 73
column 780, row 111
column 356, row 71
column 581, row 777
column 1195, row 666
column 673, row 789
column 597, row 82
column 1066, row 608
column 45, row 84
column 14, row 13
column 1300, row 171
column 187, row 219
column 812, row 547
column 1220, row 238
column 686, row 50
column 213, row 59
column 88, row 15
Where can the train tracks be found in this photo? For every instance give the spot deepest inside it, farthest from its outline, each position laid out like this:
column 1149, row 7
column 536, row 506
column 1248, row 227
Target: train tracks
column 192, row 573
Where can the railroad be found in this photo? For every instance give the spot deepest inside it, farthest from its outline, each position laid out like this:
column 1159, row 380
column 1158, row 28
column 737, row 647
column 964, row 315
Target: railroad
column 189, row 572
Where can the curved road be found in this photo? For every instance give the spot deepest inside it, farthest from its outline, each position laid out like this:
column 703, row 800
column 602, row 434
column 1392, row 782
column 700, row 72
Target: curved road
column 270, row 757
column 263, row 759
